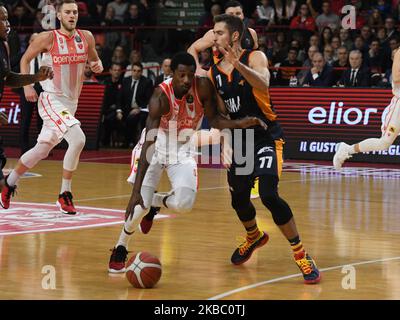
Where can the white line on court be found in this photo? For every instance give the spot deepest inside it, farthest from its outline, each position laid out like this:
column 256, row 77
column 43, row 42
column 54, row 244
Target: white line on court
column 258, row 284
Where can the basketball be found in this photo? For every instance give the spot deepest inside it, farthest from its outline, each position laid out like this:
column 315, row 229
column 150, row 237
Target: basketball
column 143, row 270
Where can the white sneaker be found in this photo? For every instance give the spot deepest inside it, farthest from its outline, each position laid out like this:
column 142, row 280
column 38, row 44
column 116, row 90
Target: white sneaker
column 341, row 155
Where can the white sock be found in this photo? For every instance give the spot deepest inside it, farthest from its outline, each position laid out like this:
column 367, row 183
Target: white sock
column 13, row 178
column 66, row 185
column 158, row 199
column 124, row 238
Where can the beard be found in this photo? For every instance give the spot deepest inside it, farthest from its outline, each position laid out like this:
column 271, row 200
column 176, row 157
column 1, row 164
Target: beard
column 67, row 27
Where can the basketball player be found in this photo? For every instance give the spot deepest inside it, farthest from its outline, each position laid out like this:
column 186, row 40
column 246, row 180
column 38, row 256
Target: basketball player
column 65, row 50
column 242, row 81
column 12, row 79
column 390, row 128
column 176, row 111
column 249, row 41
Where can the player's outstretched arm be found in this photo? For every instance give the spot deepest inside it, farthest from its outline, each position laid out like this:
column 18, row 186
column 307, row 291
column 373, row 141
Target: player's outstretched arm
column 212, row 102
column 199, row 45
column 158, row 106
column 95, row 63
column 41, row 43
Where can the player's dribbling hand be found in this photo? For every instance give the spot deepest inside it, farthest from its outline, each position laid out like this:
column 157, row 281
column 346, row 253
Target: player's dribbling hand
column 44, row 73
column 136, row 199
column 252, row 122
column 3, row 119
column 96, row 66
column 30, row 94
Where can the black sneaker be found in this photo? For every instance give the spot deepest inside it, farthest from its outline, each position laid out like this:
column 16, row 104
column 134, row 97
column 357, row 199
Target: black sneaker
column 246, row 249
column 147, row 221
column 117, row 260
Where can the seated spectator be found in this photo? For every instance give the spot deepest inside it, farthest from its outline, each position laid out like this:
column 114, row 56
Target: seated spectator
column 366, row 34
column 284, row 13
column 150, row 69
column 314, row 41
column 265, row 13
column 119, row 56
column 335, row 43
column 328, row 55
column 320, row 75
column 307, row 64
column 288, row 68
column 133, row 17
column 390, row 26
column 301, row 54
column 342, row 62
column 280, row 48
column 360, row 45
column 356, row 75
column 133, row 103
column 383, row 8
column 303, row 20
column 206, row 21
column 120, row 8
column 113, row 126
column 345, row 39
column 166, row 72
column 112, row 38
column 375, row 19
column 376, row 61
column 327, row 18
column 326, row 37
column 387, row 80
column 206, row 58
column 88, row 76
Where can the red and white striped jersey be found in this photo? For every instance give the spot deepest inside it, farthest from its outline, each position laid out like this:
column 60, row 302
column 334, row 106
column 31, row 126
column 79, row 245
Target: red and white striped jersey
column 67, row 57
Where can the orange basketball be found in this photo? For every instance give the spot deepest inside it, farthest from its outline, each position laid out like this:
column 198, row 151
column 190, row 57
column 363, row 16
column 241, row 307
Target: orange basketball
column 143, row 270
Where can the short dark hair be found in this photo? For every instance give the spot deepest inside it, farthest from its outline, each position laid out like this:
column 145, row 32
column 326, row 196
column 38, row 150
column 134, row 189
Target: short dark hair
column 232, row 22
column 183, row 58
column 293, row 49
column 233, row 4
column 137, row 64
column 115, row 64
column 65, row 2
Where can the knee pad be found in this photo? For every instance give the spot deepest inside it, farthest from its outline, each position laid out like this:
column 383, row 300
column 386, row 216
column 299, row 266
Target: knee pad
column 280, row 210
column 38, row 152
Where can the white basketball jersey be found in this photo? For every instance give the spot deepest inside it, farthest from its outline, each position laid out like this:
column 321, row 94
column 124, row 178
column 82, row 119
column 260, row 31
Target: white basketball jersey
column 67, row 57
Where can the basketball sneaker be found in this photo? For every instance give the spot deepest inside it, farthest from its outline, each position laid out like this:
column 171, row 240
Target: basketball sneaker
column 341, row 155
column 6, row 194
column 117, row 260
column 307, row 267
column 254, row 191
column 246, row 249
column 147, row 221
column 65, row 204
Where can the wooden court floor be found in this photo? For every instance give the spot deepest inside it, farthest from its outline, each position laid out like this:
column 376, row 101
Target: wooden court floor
column 350, row 224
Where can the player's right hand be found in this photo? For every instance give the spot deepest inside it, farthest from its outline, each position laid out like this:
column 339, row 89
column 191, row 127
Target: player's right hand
column 44, row 73
column 30, row 94
column 252, row 122
column 136, row 199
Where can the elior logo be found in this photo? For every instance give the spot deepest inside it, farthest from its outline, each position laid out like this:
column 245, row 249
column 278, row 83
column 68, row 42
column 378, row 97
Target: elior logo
column 337, row 115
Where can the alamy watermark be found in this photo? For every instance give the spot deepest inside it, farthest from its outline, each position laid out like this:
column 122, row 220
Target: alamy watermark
column 49, row 280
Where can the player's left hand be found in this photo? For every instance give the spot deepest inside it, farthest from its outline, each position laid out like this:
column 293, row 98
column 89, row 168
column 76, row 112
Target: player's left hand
column 44, row 73
column 96, row 66
column 230, row 55
column 252, row 122
column 3, row 118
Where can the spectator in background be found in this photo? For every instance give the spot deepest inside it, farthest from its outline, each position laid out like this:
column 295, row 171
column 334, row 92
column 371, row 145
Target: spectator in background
column 314, row 41
column 284, row 11
column 390, row 26
column 288, row 68
column 88, row 76
column 335, row 43
column 265, row 13
column 376, row 61
column 37, row 23
column 301, row 54
column 388, row 78
column 360, row 45
column 321, row 74
column 326, row 37
column 120, row 8
column 149, row 68
column 303, row 20
column 345, row 39
column 133, row 102
column 20, row 17
column 166, row 72
column 206, row 59
column 356, row 75
column 112, row 38
column 375, row 19
column 113, row 125
column 366, row 34
column 307, row 64
column 327, row 18
column 206, row 21
column 119, row 56
column 280, row 48
column 342, row 62
column 328, row 55
column 132, row 16
column 381, row 36
column 383, row 8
